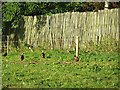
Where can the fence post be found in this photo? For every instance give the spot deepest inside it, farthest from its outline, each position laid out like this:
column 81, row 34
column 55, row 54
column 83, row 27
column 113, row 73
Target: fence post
column 7, row 43
column 106, row 4
column 77, row 46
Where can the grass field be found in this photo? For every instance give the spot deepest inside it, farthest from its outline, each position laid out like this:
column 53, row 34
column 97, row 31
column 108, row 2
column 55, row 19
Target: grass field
column 59, row 70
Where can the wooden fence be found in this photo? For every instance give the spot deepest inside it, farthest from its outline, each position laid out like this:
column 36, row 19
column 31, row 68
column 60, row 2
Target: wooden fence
column 60, row 30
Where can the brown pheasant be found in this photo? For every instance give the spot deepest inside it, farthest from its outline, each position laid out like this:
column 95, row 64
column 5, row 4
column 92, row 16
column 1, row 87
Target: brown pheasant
column 76, row 58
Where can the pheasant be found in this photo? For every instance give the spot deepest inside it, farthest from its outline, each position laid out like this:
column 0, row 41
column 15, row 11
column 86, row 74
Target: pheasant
column 22, row 56
column 75, row 58
column 43, row 54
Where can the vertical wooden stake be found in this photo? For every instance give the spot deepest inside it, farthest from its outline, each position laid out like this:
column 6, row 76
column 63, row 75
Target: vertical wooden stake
column 77, row 46
column 106, row 4
column 7, row 43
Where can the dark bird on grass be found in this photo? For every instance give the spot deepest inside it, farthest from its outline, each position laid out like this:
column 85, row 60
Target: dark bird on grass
column 76, row 58
column 22, row 56
column 5, row 54
column 43, row 54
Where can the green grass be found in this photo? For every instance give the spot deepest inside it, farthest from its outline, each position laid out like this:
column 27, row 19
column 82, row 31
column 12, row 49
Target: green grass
column 59, row 70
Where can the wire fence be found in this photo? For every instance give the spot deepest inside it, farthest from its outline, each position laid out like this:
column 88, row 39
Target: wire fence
column 8, row 43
